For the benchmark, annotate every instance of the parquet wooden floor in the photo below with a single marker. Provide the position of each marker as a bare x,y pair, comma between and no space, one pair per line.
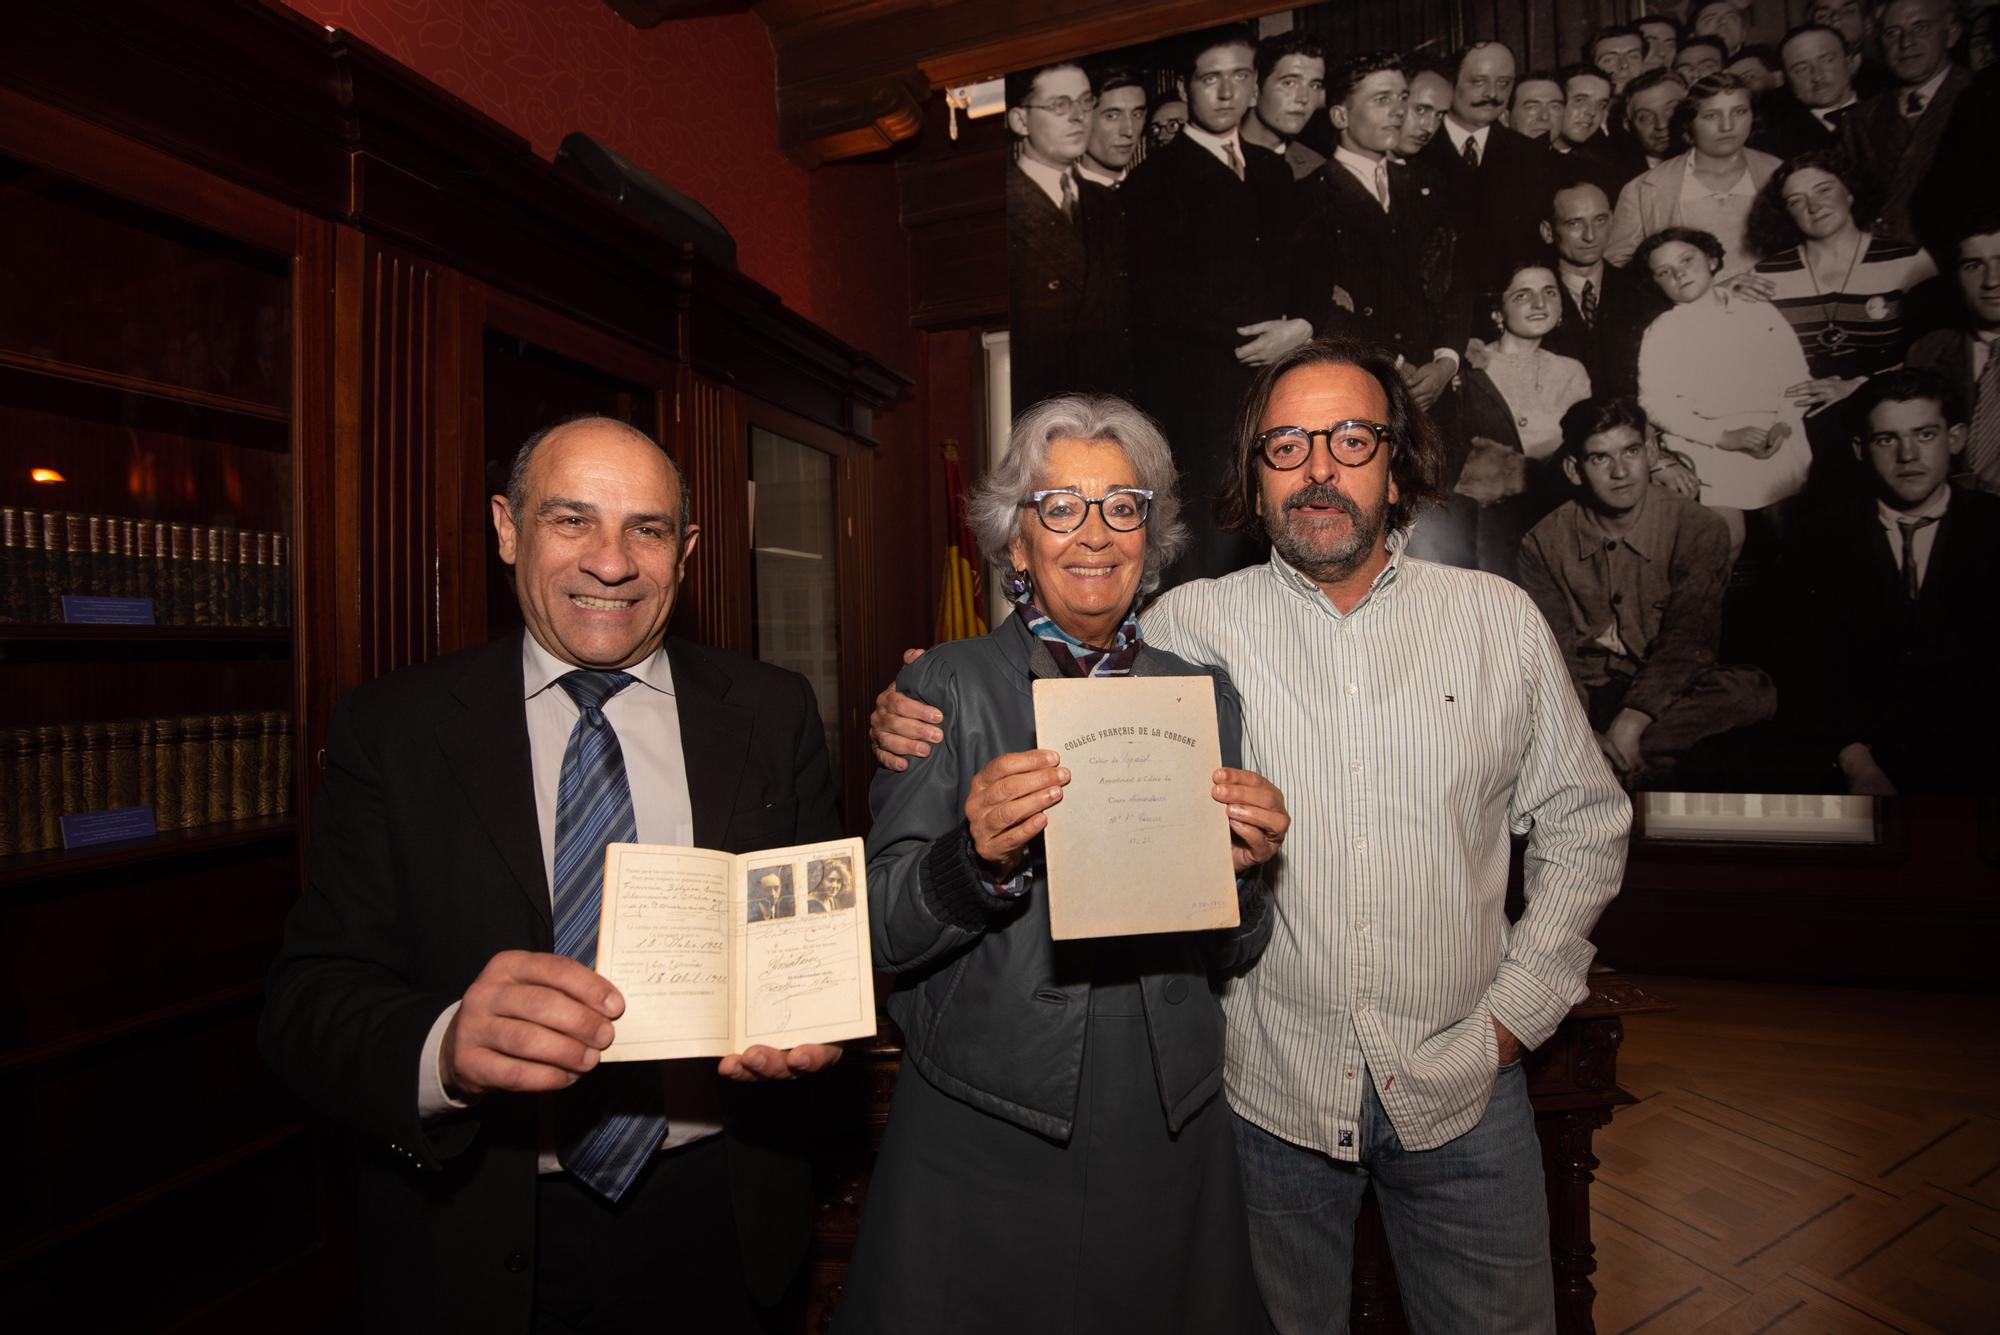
1802,1160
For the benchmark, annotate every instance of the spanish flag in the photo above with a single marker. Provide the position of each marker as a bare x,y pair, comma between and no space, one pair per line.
961,611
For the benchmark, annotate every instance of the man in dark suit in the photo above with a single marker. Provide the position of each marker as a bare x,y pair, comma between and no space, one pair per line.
1605,310
1210,231
1065,247
1498,182
1805,115
434,994
1894,137
1964,354
1895,594
1580,144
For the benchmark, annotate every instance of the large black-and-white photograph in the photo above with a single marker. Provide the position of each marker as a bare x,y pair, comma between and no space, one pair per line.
1701,304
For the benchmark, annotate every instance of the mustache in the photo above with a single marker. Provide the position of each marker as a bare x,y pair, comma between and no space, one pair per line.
1489,102
1323,493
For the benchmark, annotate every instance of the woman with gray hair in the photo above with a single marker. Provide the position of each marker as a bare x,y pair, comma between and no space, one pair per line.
1058,1155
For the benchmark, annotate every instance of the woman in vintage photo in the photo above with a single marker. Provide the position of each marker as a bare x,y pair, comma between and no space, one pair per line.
1709,186
1059,1155
829,886
1844,290
1714,376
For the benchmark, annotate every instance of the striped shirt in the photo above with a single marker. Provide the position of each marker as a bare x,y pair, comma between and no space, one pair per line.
1409,736
1867,314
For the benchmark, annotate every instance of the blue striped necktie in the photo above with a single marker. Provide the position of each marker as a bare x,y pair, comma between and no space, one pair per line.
611,1141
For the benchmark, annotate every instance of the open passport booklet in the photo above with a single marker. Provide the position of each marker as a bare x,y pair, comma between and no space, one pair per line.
718,951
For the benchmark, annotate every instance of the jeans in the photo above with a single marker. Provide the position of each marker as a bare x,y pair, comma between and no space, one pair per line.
1468,1222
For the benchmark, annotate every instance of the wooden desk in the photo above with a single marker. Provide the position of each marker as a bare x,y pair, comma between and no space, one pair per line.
1572,1083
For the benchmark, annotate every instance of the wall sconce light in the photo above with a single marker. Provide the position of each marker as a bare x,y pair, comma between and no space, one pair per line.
44,475
976,100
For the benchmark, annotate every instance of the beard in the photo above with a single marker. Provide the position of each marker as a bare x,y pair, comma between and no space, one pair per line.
1310,548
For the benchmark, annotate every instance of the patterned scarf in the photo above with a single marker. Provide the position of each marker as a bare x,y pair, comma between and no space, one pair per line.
1073,657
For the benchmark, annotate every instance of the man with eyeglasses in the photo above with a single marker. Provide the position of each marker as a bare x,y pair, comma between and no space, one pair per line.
1629,576
1420,714
1211,263
1893,595
1065,246
1893,138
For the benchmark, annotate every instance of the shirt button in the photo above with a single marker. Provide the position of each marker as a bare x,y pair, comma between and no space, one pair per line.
1352,689
1361,925
1522,421
1360,845
1353,767
1360,1006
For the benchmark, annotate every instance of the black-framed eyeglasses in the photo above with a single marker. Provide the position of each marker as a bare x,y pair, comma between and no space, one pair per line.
1064,107
1064,509
1351,443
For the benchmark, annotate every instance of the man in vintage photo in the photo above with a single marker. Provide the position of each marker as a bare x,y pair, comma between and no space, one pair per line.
1065,245
1894,136
1496,180
770,894
1291,89
1605,309
435,992
1892,600
1819,93
1430,97
1210,227
1630,578
1963,353
1621,53
1537,106
1115,126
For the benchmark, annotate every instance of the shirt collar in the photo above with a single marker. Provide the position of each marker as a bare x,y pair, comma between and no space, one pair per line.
1089,171
1458,136
540,669
1214,142
1575,281
1290,577
1692,188
1928,89
1933,508
1648,537
1048,178
1825,114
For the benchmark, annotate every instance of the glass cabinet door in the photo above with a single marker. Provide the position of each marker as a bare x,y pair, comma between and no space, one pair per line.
795,573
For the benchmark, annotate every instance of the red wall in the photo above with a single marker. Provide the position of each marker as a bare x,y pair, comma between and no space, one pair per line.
693,101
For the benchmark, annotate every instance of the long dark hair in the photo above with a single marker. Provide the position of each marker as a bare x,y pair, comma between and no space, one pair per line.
1416,453
1771,230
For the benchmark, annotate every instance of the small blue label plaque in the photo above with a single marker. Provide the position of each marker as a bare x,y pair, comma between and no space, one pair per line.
83,829
83,609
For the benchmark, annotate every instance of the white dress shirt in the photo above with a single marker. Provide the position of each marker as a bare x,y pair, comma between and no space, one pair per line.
1411,736
1925,537
1363,169
1214,143
1048,179
1460,135
647,720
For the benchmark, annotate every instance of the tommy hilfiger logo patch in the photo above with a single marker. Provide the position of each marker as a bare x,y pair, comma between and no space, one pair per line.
1347,1140
1451,699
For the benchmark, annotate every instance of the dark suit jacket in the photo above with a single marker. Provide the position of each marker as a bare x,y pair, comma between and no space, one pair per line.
1897,155
425,862
1785,128
1209,254
1949,353
1394,268
1066,299
1906,678
1498,209
1610,349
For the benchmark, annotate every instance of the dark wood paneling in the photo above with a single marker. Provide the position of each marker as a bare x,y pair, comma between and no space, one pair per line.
708,437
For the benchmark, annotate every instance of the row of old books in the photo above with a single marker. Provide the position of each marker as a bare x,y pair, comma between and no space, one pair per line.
199,769
196,576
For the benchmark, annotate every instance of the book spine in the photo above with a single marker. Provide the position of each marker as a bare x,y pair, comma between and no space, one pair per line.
48,783
98,582
93,767
180,585
148,777
216,798
128,558
260,585
284,765
201,610
121,764
55,561
243,766
69,768
221,574
267,763
194,771
13,801
145,574
243,593
281,581
21,760
34,569
13,567
167,804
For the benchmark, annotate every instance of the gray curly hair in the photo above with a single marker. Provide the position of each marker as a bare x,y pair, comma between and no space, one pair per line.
997,515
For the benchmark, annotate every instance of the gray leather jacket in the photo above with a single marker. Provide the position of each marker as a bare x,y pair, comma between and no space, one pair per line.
992,1010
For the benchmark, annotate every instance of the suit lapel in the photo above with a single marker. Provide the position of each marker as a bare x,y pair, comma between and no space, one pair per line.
486,745
715,740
